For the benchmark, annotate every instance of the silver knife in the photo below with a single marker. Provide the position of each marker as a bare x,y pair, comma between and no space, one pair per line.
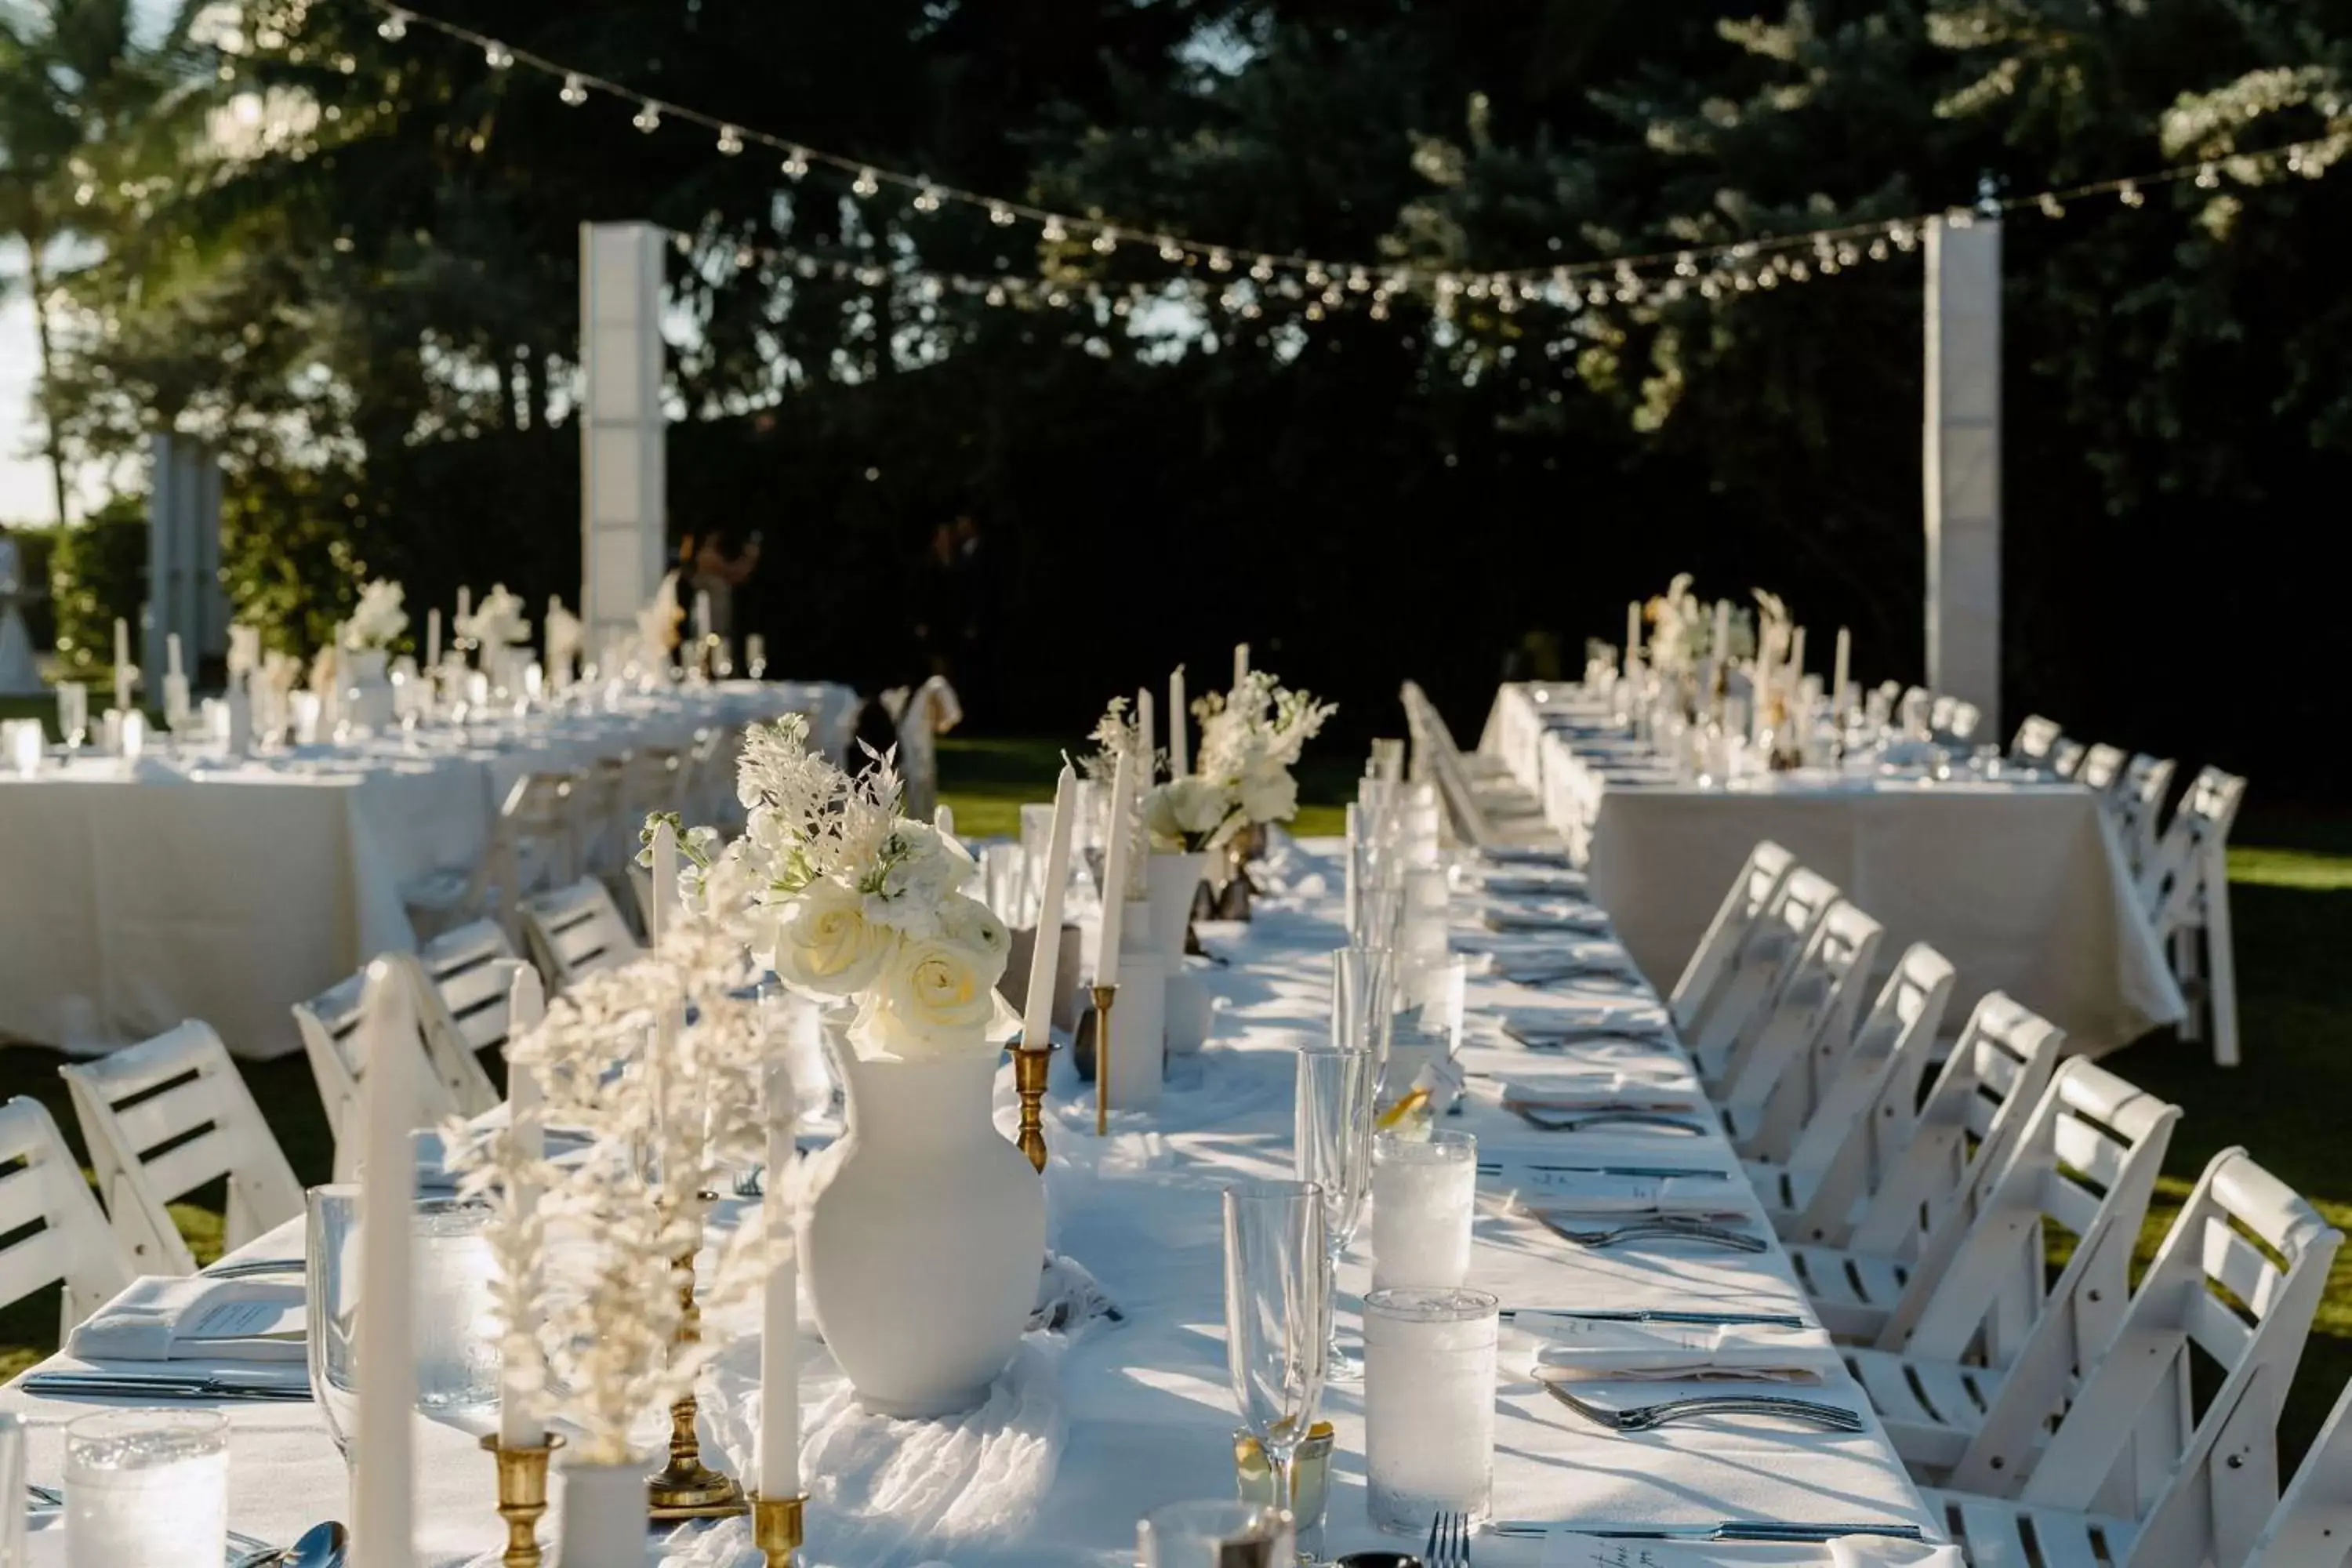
1727,1530
1653,1172
106,1385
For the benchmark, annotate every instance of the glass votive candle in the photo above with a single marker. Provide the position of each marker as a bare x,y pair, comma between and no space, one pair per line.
1423,1192
146,1489
456,1279
1218,1533
1429,1405
25,745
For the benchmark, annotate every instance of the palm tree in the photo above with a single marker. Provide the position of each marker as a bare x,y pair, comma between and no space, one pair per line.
75,87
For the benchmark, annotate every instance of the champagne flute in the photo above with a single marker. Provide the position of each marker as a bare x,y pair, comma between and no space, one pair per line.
1363,990
1332,1150
1277,1305
330,1267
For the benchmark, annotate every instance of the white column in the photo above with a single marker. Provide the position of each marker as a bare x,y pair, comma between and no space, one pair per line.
623,470
1963,463
183,556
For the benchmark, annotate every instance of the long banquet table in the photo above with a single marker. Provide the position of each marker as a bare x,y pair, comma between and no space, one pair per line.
1088,1431
229,890
2020,881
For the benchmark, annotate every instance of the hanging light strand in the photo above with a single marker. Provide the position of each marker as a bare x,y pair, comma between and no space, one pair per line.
1662,277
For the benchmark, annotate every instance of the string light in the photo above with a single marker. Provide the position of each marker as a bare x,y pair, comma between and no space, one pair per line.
1737,266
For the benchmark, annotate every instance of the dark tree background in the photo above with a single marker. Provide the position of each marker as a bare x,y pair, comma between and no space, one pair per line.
370,304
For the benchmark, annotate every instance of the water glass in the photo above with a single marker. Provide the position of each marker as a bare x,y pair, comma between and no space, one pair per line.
1424,1190
12,1485
1218,1533
146,1489
1429,1405
25,744
1278,1305
1332,1149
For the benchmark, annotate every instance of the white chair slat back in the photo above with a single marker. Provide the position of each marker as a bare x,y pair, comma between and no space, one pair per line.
1772,1087
577,930
162,1119
2312,1526
41,1186
1759,882
2037,738
1767,957
462,1005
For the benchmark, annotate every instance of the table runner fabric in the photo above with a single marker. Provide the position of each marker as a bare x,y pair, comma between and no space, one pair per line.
230,892
1088,1432
2022,884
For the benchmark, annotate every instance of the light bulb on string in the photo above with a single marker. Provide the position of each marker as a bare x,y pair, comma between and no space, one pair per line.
497,56
1106,241
2209,176
2050,205
575,91
1358,280
1168,250
995,295
2130,195
927,199
1380,310
1262,269
731,141
866,184
1684,267
1877,251
1220,260
1798,272
1000,215
795,162
1054,231
1905,237
648,119
393,27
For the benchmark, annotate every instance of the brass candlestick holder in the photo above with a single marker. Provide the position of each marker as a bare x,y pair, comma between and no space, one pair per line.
776,1526
523,1495
1104,996
686,1487
1029,1067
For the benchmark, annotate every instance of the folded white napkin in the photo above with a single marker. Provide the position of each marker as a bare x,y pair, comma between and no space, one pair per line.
1601,1348
1587,1191
195,1317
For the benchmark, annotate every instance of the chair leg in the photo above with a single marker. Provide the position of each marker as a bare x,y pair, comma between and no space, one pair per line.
2221,958
2185,970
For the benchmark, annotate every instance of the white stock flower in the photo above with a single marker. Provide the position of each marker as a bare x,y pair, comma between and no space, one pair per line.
920,866
1186,810
1268,793
378,618
933,996
821,940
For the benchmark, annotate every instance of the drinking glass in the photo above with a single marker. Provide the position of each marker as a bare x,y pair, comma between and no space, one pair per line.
25,744
73,714
1218,1533
1423,1192
1332,1149
1429,1405
1276,1307
146,1489
330,1270
12,1485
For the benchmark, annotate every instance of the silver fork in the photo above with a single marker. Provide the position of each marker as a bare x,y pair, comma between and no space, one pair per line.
1665,1227
1449,1541
1644,1418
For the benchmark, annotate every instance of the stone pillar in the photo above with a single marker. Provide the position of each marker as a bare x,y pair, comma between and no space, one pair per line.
1963,463
623,468
184,594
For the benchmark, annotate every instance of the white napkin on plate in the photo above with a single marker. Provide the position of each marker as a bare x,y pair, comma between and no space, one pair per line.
1590,1192
1605,1348
194,1318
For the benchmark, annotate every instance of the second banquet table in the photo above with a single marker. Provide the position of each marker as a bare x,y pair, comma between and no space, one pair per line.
2021,882
1088,1430
132,897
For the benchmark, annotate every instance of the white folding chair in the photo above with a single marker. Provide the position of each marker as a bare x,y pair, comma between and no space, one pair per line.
1815,1193
2139,802
60,1235
532,838
2067,756
165,1117
2102,771
2035,740
461,1001
337,1029
1935,1164
1964,721
1485,814
1766,957
1771,1088
1991,1342
576,930
2167,1455
1711,962
2312,1526
2184,888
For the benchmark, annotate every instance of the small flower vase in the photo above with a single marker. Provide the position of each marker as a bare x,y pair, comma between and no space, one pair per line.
1139,1031
368,698
1170,881
603,1520
923,1235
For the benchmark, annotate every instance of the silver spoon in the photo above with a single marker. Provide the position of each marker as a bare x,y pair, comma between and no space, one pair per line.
323,1545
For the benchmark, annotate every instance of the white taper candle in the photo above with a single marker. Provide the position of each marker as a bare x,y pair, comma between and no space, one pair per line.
433,637
519,1424
1146,730
1114,889
780,1360
383,1457
1046,947
1180,744
1839,671
1240,663
1633,633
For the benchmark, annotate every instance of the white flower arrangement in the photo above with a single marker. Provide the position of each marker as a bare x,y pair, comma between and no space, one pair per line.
498,621
378,620
1679,630
1251,738
1190,814
842,896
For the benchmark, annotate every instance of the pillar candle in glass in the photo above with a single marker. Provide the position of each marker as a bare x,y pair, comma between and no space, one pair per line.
1424,1190
1429,1405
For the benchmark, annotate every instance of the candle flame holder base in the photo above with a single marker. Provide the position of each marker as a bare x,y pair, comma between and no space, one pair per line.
522,1496
686,1487
776,1526
1105,995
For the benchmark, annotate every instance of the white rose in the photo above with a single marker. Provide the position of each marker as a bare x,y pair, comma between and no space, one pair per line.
1269,794
932,996
1184,808
968,922
821,940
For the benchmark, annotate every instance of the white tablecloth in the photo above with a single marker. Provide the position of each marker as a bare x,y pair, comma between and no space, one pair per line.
2021,883
228,892
1139,1414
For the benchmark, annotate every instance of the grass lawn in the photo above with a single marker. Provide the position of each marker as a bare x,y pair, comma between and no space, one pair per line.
2290,884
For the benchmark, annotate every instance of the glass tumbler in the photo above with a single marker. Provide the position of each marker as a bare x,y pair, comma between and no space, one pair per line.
1429,1405
146,1489
1424,1190
1218,1533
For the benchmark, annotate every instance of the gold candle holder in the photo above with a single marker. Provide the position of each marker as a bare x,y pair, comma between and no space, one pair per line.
1104,996
776,1526
686,1487
1029,1068
523,1495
